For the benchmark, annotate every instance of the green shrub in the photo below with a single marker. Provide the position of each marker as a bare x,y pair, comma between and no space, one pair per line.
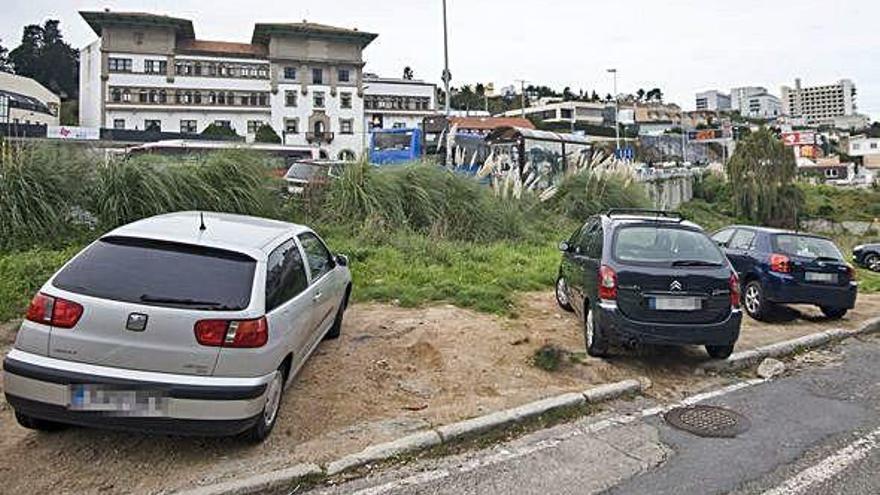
265,134
219,131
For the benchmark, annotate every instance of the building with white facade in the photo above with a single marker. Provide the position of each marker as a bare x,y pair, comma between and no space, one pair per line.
867,148
25,101
819,105
713,100
755,102
391,103
150,72
569,112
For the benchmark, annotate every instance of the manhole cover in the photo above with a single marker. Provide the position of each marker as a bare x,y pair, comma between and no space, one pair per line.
708,421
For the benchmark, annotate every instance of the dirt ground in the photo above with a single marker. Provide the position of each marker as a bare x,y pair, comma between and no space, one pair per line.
394,371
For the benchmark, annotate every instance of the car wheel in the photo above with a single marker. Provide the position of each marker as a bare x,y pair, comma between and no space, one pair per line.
562,295
38,424
336,330
596,341
872,262
833,313
269,416
753,299
719,351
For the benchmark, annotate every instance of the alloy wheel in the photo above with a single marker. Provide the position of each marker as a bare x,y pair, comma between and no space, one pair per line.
874,263
589,331
561,295
273,398
753,302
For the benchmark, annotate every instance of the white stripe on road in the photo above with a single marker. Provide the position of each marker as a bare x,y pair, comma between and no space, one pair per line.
830,466
505,454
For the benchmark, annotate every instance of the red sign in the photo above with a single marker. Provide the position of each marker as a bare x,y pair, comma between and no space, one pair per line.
799,138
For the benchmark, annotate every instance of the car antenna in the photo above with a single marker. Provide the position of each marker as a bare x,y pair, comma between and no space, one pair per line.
202,221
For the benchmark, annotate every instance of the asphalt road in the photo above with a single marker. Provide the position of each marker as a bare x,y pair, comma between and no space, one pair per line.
815,430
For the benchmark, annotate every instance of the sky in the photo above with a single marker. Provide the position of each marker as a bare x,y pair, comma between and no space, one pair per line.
680,46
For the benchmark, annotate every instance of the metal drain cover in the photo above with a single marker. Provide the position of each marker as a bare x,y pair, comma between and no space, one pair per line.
708,421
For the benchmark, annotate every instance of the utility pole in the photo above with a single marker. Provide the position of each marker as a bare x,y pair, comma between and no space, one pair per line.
447,76
522,96
616,111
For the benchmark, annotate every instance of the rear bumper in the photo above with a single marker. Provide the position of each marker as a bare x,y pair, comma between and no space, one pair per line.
211,406
784,289
619,327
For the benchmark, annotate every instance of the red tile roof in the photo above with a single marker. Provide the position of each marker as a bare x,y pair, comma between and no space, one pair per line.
489,123
222,48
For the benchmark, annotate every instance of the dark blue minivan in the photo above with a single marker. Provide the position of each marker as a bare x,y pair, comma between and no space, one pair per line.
640,276
785,267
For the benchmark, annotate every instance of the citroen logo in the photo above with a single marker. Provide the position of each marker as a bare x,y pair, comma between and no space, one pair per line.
675,285
137,322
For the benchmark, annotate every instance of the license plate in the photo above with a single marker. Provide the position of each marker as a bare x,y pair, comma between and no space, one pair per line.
115,401
664,303
820,277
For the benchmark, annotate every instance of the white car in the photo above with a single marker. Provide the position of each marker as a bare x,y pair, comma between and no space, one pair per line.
311,172
181,323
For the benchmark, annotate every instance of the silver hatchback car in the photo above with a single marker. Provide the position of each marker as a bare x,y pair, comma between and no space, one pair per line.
184,323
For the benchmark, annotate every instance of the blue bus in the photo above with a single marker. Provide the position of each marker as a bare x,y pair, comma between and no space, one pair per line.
390,146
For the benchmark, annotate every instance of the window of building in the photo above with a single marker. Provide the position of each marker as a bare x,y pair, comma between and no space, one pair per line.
345,100
188,126
221,98
119,123
153,125
291,126
290,98
263,99
873,146
253,126
197,69
831,173
346,126
399,125
252,99
223,123
230,98
344,75
317,76
126,95
318,99
115,95
290,73
197,97
119,64
155,66
142,96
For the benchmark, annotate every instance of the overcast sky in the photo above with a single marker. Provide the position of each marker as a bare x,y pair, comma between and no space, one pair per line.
681,46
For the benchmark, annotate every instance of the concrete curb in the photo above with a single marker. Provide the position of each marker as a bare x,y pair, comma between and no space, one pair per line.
424,439
744,359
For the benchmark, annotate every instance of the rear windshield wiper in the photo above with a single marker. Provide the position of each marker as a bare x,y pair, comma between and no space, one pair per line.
695,263
180,301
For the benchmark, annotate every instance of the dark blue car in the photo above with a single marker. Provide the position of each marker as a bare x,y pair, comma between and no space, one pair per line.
637,277
785,267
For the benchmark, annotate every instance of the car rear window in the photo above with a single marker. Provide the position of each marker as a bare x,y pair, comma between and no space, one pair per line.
665,245
805,246
161,273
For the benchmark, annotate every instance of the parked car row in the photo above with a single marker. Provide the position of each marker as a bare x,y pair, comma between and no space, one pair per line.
651,277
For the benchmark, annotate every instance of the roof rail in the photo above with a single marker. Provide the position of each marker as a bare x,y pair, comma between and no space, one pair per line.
645,212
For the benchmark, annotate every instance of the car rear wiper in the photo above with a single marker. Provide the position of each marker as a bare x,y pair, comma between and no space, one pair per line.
180,301
695,263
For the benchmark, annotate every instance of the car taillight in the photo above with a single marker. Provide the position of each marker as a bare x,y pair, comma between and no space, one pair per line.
607,283
780,263
851,271
735,294
232,333
54,311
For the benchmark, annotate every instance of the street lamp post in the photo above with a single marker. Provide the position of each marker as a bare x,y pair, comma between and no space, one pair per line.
447,76
616,111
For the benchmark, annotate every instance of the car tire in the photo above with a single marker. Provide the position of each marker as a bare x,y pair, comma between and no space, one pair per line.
562,295
719,351
833,313
756,305
269,415
872,262
38,424
595,339
336,330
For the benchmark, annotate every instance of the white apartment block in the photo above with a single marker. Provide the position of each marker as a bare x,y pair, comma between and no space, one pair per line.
149,72
866,147
755,102
819,105
391,103
712,100
570,112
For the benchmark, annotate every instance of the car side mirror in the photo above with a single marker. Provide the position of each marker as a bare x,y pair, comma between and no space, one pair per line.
341,260
564,246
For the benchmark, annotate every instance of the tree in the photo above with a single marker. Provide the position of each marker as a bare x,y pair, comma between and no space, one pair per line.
408,73
594,97
654,95
5,65
44,56
762,173
265,134
567,95
640,94
220,131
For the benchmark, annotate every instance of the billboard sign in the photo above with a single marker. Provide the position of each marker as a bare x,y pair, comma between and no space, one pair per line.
706,135
71,132
799,138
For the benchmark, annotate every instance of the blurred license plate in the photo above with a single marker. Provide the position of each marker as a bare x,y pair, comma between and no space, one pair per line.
664,303
85,397
821,277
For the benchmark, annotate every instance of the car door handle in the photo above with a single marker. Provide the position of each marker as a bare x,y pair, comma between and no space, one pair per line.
317,296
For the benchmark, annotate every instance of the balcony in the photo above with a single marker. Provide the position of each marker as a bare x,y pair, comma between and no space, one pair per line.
319,137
